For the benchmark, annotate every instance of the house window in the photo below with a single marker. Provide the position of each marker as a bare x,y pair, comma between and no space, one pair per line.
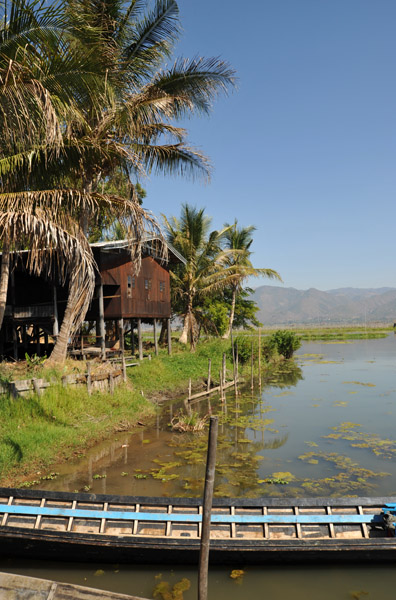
130,286
162,287
147,284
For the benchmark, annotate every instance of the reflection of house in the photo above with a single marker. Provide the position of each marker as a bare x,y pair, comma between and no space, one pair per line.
35,307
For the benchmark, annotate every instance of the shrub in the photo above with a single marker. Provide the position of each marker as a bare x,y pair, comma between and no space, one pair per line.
286,342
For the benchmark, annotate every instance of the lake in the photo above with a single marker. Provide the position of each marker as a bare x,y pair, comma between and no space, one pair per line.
323,427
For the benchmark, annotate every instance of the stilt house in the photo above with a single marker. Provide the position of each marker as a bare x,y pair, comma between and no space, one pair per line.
123,300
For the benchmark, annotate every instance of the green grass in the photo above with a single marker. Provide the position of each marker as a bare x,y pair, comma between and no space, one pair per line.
36,432
171,373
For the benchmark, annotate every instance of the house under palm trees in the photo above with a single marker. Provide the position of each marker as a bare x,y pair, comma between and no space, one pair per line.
123,300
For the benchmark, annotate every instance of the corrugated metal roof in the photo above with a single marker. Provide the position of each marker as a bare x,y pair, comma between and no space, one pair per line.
121,244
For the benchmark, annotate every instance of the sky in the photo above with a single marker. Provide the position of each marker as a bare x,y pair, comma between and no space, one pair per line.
304,148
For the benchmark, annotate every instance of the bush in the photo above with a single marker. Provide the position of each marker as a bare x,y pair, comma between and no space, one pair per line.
285,342
244,345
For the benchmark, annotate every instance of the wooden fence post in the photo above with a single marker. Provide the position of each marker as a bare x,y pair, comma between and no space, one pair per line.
111,383
36,387
207,510
209,373
224,367
89,378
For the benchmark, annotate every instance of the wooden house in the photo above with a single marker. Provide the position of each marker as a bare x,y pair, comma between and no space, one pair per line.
122,299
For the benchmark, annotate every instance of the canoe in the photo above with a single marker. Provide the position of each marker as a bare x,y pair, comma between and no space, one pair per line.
130,529
19,587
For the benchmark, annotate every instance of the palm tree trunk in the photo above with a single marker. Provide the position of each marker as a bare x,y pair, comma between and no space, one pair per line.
232,314
58,354
183,339
4,277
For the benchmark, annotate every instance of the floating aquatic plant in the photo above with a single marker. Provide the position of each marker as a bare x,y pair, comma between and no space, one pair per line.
383,448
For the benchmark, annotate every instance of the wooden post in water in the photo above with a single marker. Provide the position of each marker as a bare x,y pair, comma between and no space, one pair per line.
259,357
236,369
209,374
251,374
207,510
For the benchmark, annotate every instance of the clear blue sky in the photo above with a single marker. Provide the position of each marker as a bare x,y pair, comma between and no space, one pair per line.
305,148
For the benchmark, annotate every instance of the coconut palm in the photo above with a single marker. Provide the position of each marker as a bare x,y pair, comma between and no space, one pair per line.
238,241
142,97
83,95
37,149
206,271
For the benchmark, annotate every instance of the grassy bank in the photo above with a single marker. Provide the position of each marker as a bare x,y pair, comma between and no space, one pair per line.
38,432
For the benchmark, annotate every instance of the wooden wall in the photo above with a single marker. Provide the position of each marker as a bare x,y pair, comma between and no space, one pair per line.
126,295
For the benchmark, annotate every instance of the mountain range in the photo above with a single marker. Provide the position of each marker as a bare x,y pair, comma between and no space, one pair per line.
287,306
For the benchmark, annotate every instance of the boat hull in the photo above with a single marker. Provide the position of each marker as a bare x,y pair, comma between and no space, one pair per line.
30,534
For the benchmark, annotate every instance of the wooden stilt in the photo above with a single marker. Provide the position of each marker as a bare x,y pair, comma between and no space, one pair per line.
209,374
169,337
140,341
133,337
102,328
55,325
155,336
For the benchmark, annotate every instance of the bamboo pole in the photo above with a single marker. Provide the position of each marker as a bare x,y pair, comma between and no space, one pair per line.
207,510
209,373
259,356
189,389
251,371
236,369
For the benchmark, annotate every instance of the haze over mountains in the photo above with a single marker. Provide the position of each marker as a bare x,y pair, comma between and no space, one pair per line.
286,306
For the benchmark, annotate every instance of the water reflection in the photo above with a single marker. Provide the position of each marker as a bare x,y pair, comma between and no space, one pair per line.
297,437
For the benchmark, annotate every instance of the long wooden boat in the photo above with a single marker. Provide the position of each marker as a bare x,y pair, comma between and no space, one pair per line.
96,527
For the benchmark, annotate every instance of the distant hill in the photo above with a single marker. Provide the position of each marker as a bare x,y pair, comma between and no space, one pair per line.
287,306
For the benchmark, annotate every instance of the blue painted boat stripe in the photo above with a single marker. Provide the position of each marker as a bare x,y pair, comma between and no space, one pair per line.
187,518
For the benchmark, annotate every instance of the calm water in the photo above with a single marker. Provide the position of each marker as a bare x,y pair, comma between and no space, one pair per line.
347,391
322,428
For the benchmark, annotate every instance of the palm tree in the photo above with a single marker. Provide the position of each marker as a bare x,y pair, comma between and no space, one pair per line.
238,241
37,149
83,95
206,270
141,97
